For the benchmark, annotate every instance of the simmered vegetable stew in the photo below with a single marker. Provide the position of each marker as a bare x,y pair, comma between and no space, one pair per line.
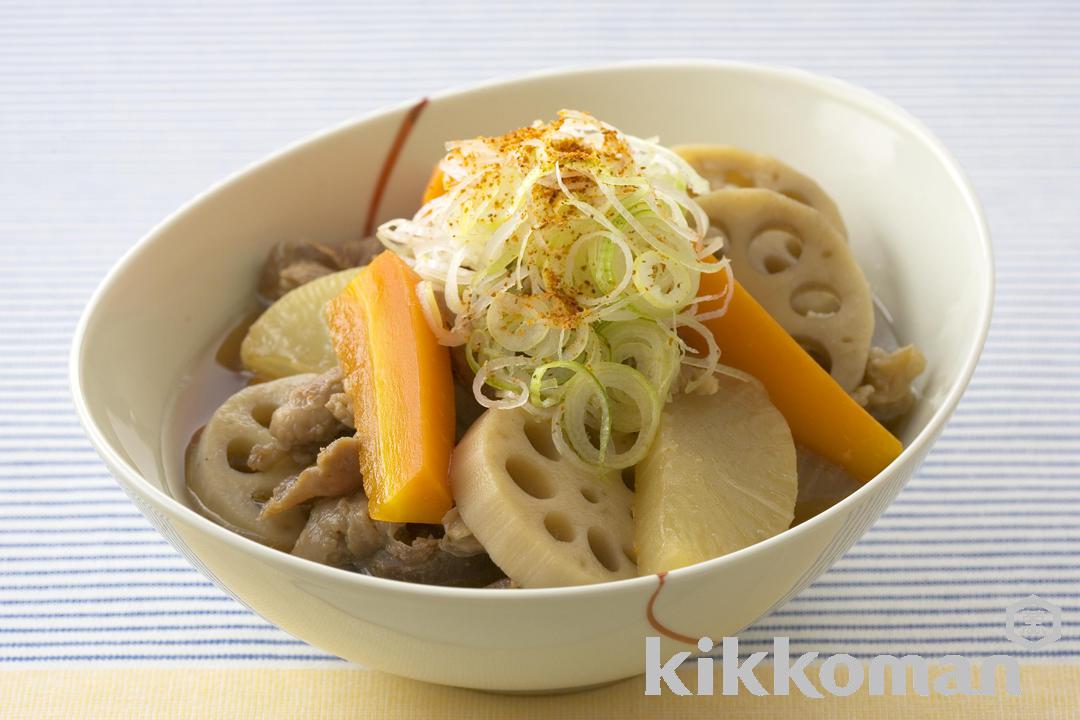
586,357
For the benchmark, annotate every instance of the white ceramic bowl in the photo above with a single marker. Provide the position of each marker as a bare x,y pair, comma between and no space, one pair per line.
915,226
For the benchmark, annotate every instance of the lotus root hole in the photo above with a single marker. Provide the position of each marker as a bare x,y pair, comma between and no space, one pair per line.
530,478
815,300
795,196
559,526
262,413
816,350
774,250
590,495
628,478
237,453
539,436
794,246
602,547
738,179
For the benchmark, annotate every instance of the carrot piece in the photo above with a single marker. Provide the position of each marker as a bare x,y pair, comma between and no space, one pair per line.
821,415
398,378
435,186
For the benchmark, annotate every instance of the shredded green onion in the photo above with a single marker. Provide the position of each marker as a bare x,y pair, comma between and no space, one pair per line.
568,256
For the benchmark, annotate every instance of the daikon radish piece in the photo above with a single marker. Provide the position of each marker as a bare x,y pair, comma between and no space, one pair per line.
291,337
720,477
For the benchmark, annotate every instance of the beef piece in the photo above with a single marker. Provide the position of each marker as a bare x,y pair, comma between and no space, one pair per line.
301,273
291,263
303,424
337,531
340,532
340,406
323,537
458,539
305,418
412,555
336,472
358,252
886,390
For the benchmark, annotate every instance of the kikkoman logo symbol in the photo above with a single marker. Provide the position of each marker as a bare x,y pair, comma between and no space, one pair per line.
1032,623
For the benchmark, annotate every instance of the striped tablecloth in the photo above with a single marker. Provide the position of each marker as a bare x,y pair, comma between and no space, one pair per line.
112,114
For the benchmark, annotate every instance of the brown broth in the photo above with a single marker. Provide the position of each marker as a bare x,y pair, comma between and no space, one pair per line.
215,376
228,351
821,491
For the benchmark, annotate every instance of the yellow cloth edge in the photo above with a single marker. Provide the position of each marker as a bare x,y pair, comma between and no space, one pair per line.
1048,691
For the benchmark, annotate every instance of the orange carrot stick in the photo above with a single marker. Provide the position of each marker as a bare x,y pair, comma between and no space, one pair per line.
398,377
821,415
435,186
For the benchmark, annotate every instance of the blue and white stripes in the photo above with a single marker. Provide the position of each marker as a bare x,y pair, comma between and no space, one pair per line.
115,113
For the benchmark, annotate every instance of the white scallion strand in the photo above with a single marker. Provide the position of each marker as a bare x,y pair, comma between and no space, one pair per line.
568,257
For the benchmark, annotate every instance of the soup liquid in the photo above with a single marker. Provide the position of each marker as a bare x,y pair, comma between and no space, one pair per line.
215,376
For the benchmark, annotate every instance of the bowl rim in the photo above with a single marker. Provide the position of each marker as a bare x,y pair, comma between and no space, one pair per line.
884,110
